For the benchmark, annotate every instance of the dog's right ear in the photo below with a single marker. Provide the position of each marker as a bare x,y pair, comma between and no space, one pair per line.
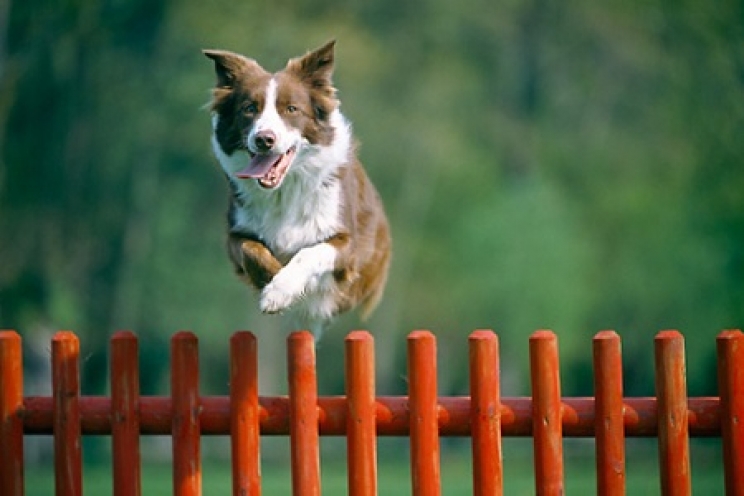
227,66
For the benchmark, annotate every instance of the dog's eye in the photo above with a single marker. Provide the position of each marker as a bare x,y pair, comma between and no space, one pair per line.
250,108
291,109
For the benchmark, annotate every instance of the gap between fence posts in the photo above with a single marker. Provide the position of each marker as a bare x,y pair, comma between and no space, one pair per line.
608,414
11,411
303,414
485,413
730,349
424,418
245,430
546,414
125,426
186,409
671,393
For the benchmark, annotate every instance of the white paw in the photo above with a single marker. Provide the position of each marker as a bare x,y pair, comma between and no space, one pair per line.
300,276
277,296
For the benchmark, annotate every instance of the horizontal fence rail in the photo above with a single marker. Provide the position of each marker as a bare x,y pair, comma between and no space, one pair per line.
361,415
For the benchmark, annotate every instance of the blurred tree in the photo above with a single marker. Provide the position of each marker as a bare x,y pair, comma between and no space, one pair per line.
70,189
572,166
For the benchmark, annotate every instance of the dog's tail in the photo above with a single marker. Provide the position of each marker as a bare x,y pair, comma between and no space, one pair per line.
369,304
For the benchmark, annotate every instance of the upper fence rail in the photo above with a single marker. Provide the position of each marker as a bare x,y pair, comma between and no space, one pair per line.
361,415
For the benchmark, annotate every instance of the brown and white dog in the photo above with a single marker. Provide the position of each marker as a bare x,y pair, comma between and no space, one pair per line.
305,224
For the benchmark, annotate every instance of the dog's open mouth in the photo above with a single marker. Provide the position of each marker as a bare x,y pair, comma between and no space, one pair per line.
268,169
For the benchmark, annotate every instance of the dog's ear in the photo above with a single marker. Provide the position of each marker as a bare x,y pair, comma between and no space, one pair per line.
315,67
228,65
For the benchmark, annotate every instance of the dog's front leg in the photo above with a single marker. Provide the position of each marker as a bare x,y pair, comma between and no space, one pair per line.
252,260
302,274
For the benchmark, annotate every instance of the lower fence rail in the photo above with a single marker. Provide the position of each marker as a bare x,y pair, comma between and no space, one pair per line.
361,415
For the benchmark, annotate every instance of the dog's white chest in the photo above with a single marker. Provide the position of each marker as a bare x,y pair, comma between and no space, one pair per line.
294,219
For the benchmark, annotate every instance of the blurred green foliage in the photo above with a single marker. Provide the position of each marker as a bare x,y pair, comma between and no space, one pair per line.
574,166
394,476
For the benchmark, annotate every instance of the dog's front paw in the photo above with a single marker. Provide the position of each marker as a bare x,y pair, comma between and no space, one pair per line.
277,296
274,300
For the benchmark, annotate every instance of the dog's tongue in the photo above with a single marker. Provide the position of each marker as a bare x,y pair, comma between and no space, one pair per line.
258,167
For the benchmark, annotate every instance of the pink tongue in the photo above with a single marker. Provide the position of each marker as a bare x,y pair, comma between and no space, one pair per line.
259,166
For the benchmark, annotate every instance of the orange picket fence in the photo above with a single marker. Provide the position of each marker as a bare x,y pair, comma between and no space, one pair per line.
361,415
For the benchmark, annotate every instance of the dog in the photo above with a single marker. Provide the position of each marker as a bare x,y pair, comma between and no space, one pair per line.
306,227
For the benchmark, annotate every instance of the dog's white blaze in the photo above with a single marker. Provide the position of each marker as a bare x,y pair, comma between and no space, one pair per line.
270,120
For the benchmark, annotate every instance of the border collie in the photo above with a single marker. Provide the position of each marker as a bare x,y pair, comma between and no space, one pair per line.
306,226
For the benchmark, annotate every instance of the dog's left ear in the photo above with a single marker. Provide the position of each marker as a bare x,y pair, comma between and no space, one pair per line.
315,66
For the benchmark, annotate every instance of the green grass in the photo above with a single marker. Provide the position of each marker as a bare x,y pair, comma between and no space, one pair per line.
394,470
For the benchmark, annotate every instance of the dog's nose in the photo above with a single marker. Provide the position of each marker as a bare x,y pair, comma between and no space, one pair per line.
264,140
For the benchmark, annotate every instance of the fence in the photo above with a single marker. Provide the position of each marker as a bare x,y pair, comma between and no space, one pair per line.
361,416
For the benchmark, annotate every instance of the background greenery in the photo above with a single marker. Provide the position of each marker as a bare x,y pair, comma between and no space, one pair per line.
394,474
566,165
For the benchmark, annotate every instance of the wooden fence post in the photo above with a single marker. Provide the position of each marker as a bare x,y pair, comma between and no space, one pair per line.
424,418
361,436
361,416
11,410
485,414
245,432
671,393
185,407
66,390
125,395
303,414
608,414
546,414
730,345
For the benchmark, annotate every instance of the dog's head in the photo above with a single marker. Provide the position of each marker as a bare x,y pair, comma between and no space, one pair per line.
262,121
